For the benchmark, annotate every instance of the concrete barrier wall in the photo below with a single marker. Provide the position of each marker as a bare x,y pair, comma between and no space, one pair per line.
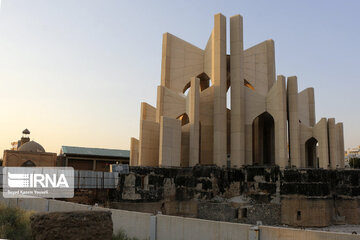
136,224
12,202
177,228
275,233
33,204
61,206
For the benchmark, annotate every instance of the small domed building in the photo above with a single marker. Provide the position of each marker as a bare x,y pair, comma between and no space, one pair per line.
28,154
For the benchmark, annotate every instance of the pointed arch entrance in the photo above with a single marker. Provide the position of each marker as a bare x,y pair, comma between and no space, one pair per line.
311,153
28,163
263,149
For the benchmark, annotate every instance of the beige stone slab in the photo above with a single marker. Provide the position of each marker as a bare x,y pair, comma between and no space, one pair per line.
134,152
194,118
169,142
321,134
294,131
277,107
149,143
333,148
219,79
340,144
148,112
237,92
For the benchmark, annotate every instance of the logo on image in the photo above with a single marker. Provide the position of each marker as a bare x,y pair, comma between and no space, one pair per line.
48,182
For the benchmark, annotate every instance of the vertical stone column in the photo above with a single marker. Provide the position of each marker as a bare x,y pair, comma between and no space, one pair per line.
194,120
281,156
159,103
341,147
270,55
218,63
333,149
134,152
148,136
320,132
165,60
237,92
170,142
294,128
311,97
149,143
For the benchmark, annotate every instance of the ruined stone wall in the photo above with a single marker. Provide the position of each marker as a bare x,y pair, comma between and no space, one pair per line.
296,197
146,184
316,197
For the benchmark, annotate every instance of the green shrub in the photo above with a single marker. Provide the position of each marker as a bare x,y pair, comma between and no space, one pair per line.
354,162
14,223
121,235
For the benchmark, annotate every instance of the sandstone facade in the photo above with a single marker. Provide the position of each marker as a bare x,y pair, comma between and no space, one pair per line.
270,121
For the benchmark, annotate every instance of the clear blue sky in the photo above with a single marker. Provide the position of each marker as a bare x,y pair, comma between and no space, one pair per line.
75,71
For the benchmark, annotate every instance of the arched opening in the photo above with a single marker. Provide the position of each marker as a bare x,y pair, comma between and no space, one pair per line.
184,118
204,81
310,153
228,98
186,88
248,85
28,163
228,124
263,140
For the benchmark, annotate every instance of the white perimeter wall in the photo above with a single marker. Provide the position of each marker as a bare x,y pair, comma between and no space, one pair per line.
136,224
178,228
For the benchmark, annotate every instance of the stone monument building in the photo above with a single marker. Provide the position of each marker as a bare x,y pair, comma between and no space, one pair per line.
270,122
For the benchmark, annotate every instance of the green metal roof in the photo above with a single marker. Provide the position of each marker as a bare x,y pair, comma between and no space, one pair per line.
95,151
